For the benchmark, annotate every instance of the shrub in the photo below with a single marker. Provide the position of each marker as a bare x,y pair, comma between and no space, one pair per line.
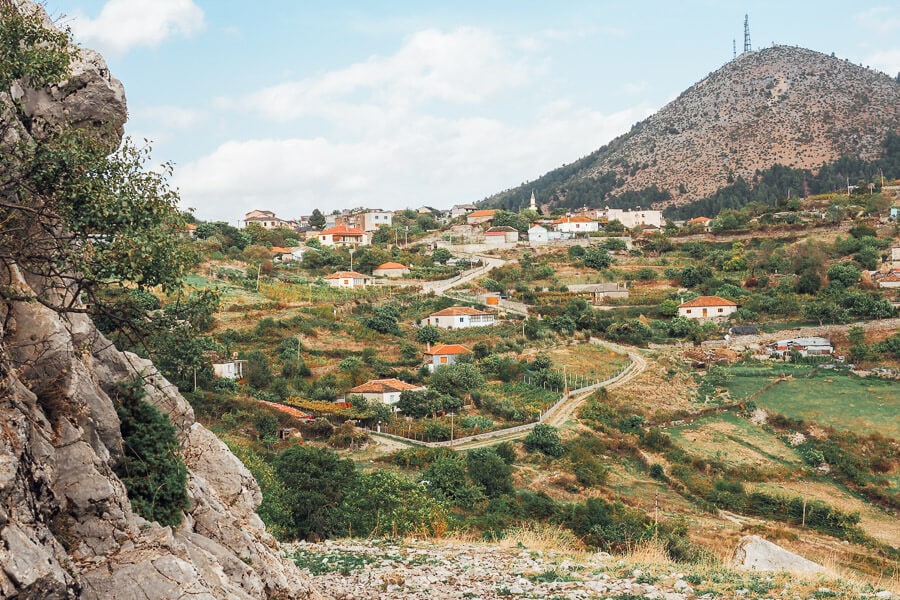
488,470
152,471
545,439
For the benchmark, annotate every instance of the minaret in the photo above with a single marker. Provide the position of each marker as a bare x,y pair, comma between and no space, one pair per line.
533,204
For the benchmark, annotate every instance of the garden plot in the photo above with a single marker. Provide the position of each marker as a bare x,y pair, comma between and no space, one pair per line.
734,441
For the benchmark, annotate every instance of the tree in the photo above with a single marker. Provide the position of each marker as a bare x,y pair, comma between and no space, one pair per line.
544,439
258,374
152,471
315,482
597,258
428,334
386,504
615,226
419,404
385,319
489,471
457,379
845,273
317,219
441,255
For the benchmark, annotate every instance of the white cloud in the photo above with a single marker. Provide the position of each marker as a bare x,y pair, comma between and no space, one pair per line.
464,66
432,161
887,61
879,20
126,24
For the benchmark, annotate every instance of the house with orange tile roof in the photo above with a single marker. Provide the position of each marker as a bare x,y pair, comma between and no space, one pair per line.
460,317
480,216
341,235
386,391
704,308
576,224
444,354
347,279
390,269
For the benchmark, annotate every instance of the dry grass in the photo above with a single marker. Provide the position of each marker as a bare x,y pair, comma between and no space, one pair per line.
648,552
540,536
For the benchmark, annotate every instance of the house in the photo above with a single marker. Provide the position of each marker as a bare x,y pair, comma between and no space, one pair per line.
444,354
460,317
231,369
391,269
889,280
632,218
601,291
461,210
504,234
707,307
700,222
895,211
806,346
576,224
282,255
341,235
537,235
895,258
190,230
386,391
480,216
288,410
347,279
264,218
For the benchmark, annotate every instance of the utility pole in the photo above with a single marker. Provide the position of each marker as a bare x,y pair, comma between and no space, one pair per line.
258,272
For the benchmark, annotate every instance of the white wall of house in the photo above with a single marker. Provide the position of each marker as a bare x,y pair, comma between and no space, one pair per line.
706,312
578,227
374,219
461,321
633,218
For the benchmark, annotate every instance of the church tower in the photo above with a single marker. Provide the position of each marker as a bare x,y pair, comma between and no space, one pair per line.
533,204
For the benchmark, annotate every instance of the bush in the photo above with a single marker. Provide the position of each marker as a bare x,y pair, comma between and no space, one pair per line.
545,439
151,470
488,470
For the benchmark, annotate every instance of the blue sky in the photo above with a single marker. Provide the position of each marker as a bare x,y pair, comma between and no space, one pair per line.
295,105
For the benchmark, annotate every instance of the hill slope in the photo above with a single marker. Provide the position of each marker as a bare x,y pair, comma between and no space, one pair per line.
781,105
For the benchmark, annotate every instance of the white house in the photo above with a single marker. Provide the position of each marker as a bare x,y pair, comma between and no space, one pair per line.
341,235
633,218
444,354
373,219
599,292
806,346
706,308
461,210
889,280
391,269
264,218
501,235
232,369
386,391
347,279
537,235
460,317
576,224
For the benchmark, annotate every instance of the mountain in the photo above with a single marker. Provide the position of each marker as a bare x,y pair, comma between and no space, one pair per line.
781,105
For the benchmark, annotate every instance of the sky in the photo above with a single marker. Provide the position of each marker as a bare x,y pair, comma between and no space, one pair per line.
295,105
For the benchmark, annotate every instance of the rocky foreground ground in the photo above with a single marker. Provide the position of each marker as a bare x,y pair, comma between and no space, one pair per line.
363,569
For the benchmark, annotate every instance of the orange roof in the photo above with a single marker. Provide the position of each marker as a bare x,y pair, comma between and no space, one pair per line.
299,414
346,275
280,250
190,227
444,349
575,219
700,220
707,301
890,277
458,311
380,386
482,213
391,265
343,230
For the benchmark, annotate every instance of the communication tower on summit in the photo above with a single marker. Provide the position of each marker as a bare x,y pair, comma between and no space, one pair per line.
747,47
733,48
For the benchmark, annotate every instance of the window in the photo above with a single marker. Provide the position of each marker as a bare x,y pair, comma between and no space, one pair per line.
688,311
721,309
461,319
444,360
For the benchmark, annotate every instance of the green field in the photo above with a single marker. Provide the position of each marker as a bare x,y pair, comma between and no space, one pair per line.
839,400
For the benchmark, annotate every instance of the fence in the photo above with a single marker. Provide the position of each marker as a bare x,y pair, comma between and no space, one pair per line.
518,428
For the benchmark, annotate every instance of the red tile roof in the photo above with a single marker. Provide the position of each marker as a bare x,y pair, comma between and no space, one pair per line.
391,265
381,386
458,311
700,220
290,410
482,213
343,230
576,219
707,301
280,250
444,349
346,275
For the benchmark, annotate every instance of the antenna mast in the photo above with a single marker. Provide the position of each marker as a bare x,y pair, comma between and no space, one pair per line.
747,47
733,48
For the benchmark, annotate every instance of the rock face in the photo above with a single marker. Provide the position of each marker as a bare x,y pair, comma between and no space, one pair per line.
753,553
66,525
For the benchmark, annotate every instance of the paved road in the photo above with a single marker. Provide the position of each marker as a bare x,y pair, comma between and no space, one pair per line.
439,287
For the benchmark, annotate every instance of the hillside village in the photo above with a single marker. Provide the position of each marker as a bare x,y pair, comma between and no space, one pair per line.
469,329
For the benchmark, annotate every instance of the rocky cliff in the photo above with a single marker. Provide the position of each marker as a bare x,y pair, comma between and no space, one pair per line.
66,526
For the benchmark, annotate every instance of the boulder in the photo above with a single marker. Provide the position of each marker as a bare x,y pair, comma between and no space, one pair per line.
753,553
